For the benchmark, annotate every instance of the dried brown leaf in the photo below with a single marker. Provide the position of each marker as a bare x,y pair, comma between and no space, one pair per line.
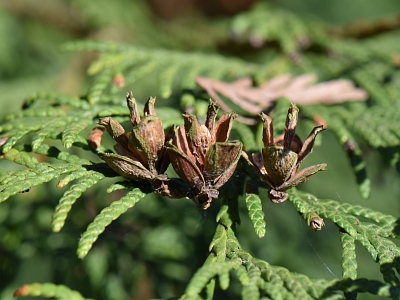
301,90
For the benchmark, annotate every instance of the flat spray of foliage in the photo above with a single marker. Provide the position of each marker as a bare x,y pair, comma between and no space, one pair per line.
41,135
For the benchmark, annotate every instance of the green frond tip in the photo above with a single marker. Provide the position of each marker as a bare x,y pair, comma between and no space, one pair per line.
36,174
105,217
218,243
205,274
21,158
349,262
254,207
89,179
209,290
251,290
224,217
70,134
121,185
48,290
363,285
224,279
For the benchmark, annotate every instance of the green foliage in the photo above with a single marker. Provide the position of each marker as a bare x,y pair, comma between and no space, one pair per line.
136,63
373,233
48,290
299,32
256,214
105,217
162,239
37,173
87,179
258,278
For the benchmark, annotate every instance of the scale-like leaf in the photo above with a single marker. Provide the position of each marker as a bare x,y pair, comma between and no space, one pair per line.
373,237
105,217
251,290
254,207
134,60
218,243
349,262
89,179
48,290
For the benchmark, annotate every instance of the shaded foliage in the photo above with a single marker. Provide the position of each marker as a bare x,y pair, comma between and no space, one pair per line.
48,140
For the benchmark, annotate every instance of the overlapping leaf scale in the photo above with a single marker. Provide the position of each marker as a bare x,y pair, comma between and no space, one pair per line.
218,243
49,123
349,262
204,275
277,282
372,236
105,217
308,204
69,158
50,130
305,202
48,290
17,134
53,99
287,285
361,211
365,286
251,290
224,279
23,180
242,275
297,288
36,174
388,257
87,180
117,186
224,217
17,127
48,111
77,121
256,275
113,110
377,125
254,207
363,238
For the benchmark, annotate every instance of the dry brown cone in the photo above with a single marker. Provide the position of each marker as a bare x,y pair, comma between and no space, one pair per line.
300,90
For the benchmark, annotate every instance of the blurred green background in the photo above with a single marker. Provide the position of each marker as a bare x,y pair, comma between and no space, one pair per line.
153,250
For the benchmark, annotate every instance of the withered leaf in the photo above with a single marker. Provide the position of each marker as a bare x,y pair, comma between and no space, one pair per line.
301,90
